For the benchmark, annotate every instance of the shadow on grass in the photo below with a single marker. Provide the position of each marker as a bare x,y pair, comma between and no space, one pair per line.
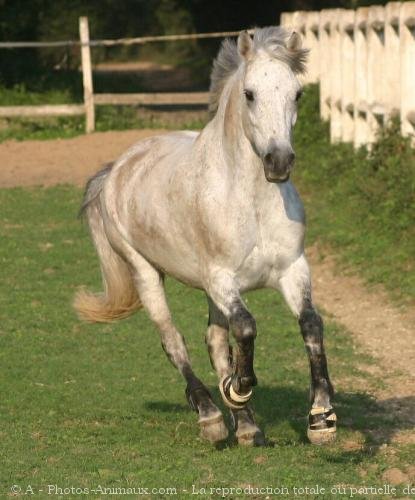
377,421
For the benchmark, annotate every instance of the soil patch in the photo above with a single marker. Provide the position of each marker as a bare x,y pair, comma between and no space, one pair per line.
61,161
383,329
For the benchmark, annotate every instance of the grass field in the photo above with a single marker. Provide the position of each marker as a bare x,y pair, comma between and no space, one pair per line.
90,405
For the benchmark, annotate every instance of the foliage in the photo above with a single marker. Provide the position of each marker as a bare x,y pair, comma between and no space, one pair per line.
361,203
87,405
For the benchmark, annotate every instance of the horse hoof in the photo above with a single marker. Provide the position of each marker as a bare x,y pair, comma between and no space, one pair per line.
251,438
230,397
322,437
213,429
246,430
321,426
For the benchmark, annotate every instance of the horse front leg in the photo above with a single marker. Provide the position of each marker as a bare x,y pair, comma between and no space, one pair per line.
295,285
246,430
322,419
236,388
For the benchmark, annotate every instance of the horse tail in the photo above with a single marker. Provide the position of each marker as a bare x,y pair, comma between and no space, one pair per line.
120,298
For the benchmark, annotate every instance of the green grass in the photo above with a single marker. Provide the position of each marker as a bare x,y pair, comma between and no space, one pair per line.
87,405
43,128
361,205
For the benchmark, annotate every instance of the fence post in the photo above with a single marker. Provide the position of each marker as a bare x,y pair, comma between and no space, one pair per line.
312,43
298,24
325,61
286,20
335,76
347,74
87,74
361,127
407,35
376,73
392,60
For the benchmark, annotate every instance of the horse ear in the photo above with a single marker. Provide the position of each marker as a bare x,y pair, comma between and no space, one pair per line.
294,42
245,44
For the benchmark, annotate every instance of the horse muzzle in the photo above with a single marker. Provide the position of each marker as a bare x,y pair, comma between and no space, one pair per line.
278,164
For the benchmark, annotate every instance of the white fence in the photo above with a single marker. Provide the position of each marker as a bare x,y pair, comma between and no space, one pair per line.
364,60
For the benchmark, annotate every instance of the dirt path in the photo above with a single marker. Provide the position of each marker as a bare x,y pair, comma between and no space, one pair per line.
382,329
32,163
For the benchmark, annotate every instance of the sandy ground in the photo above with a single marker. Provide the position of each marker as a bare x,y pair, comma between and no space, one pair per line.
386,331
32,163
379,327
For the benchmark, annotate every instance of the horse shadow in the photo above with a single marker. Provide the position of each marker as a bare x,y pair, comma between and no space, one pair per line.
376,422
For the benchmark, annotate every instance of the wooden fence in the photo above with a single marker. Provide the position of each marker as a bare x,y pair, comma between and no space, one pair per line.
364,60
90,98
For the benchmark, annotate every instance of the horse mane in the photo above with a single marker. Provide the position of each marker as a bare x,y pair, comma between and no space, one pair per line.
272,39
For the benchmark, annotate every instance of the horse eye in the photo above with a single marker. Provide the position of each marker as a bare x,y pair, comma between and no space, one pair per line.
249,95
298,95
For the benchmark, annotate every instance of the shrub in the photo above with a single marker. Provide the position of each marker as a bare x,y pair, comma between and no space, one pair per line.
360,202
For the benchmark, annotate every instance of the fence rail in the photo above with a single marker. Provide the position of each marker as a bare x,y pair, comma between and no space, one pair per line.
160,98
91,99
364,60
45,110
120,41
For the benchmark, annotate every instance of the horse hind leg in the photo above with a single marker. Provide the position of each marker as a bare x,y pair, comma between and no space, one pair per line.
150,287
217,339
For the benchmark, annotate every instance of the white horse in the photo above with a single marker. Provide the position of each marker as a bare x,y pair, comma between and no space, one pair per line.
216,210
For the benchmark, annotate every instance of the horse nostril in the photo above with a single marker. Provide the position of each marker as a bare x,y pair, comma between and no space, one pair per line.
268,159
291,158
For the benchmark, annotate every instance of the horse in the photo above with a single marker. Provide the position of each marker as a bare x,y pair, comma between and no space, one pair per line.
217,211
